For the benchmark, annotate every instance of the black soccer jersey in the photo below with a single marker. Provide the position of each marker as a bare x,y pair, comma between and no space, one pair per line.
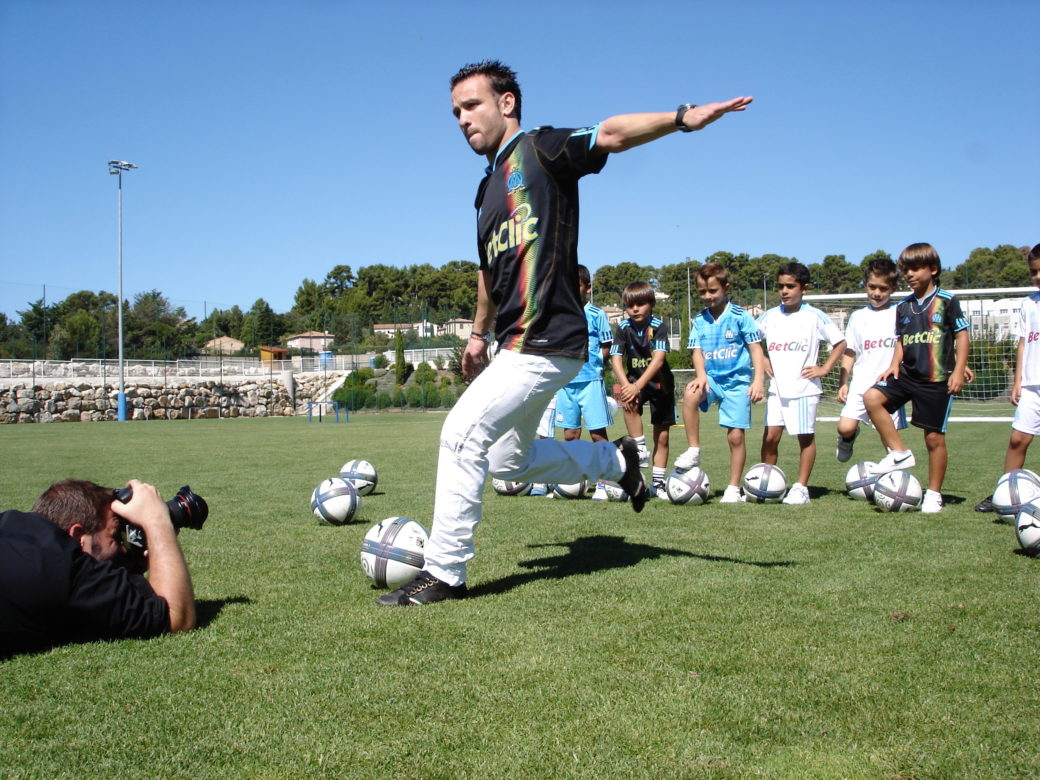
638,345
926,331
527,235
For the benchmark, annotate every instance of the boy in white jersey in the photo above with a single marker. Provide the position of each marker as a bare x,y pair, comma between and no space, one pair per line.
1025,393
870,340
727,354
793,332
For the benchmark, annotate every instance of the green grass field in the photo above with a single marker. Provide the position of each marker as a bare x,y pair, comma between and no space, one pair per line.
714,641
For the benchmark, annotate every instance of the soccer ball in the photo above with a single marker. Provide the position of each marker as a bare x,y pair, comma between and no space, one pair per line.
687,487
1027,526
1013,491
897,491
764,483
335,501
361,474
392,552
615,492
859,482
577,490
505,488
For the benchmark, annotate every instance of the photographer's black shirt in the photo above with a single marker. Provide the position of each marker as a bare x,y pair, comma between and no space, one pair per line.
51,592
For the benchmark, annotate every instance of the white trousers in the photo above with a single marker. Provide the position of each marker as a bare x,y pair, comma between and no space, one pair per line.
492,429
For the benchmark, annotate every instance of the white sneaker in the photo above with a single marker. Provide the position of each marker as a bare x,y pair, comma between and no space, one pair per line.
689,459
731,496
600,494
932,503
644,458
894,461
798,494
844,451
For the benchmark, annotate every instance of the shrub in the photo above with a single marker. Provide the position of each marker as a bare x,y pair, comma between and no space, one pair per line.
415,397
424,374
432,395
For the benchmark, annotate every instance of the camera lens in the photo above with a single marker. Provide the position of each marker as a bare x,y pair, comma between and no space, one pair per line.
187,509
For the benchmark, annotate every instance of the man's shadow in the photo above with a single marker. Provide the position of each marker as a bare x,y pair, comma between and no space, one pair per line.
588,554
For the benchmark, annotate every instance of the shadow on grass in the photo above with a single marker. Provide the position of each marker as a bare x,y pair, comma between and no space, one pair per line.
208,610
588,554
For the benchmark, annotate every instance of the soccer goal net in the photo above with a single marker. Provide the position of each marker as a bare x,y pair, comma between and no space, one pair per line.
991,314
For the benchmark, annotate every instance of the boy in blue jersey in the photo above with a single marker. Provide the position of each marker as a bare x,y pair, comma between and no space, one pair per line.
730,366
928,368
638,359
585,395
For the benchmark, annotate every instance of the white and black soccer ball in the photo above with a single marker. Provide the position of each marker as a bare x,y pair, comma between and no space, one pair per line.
859,482
361,474
506,488
690,486
393,552
897,491
576,490
1027,526
764,483
335,501
614,491
1014,490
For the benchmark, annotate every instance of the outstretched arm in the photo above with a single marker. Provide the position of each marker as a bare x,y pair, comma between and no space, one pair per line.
624,131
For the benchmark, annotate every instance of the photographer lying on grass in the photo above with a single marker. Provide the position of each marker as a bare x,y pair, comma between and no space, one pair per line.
65,575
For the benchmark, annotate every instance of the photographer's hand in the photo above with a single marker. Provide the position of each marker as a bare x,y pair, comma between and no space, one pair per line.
167,570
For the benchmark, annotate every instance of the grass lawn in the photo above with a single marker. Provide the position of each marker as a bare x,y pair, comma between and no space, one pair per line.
715,641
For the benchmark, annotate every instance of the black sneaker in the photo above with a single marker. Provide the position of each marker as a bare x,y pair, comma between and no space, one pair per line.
632,481
424,589
985,505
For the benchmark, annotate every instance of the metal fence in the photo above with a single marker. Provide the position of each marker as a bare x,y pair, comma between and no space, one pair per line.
162,371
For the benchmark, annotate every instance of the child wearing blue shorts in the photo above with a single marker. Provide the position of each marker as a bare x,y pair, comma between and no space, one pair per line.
585,396
730,366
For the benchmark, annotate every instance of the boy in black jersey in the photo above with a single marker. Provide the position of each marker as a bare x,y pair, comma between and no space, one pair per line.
928,368
638,359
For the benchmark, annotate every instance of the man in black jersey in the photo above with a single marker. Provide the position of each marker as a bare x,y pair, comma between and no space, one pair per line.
527,287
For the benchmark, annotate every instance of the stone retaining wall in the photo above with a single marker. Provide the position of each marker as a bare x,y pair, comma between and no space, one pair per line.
86,402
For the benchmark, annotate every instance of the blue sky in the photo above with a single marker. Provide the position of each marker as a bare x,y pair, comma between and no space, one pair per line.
277,139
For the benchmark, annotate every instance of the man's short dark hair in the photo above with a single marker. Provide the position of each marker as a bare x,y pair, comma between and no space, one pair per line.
502,78
797,270
1033,254
75,502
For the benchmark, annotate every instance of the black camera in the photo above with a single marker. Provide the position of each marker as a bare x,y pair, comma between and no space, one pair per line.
187,510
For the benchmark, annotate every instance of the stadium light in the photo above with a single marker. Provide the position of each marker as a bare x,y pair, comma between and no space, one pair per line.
116,168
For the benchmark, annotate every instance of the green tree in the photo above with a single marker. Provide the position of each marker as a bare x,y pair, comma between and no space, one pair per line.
338,281
609,281
400,367
835,275
1003,266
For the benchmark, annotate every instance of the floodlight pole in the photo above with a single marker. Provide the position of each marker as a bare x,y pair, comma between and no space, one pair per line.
116,168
